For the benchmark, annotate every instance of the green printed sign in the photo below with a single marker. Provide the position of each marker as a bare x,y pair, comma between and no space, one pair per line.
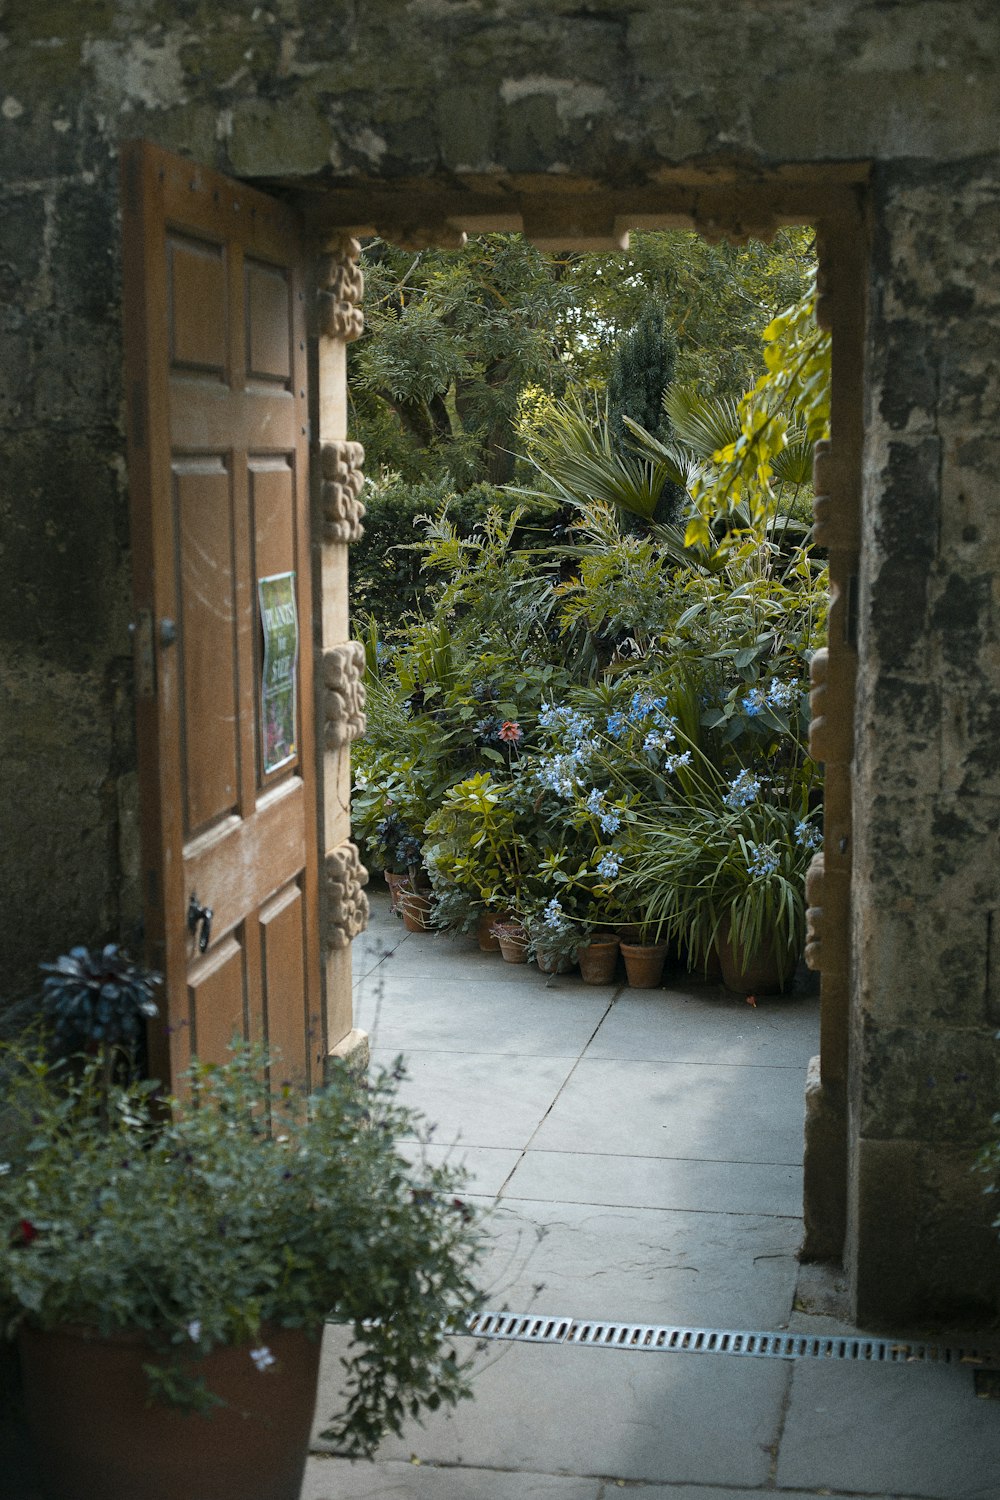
281,649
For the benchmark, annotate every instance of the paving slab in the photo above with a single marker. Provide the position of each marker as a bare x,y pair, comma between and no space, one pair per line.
710,1027
601,1413
488,1166
889,1430
481,1099
658,1182
338,1479
643,1265
712,1112
458,1017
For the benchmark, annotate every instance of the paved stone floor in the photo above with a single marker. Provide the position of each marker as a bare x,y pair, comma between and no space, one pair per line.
640,1154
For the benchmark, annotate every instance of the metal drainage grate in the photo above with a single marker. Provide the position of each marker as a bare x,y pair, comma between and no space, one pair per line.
663,1338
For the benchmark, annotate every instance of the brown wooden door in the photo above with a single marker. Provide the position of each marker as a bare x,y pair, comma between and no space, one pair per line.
215,335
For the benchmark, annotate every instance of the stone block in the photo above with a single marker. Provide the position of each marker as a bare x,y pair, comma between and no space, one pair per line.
897,737
930,1083
72,598
84,267
22,248
272,139
58,867
921,1248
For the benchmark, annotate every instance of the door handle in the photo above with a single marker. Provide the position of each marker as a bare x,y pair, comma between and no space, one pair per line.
196,914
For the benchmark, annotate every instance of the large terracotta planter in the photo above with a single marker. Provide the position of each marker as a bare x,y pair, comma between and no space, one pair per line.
513,942
599,961
416,908
96,1439
765,972
644,964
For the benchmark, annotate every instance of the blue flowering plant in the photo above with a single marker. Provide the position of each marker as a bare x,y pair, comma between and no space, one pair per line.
728,865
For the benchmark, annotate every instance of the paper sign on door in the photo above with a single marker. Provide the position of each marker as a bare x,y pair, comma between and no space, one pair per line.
281,648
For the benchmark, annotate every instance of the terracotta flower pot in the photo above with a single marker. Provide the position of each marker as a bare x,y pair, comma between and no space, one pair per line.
599,961
513,942
710,969
764,972
396,884
485,935
95,1438
416,906
644,964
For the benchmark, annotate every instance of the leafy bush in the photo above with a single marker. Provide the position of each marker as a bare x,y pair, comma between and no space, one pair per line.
202,1225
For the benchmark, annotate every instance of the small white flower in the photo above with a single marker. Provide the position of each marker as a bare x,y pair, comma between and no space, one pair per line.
4,1168
263,1358
194,1330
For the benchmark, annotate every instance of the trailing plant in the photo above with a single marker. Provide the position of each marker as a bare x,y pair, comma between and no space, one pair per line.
203,1226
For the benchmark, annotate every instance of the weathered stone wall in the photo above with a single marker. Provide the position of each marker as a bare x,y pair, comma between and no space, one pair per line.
926,1073
505,102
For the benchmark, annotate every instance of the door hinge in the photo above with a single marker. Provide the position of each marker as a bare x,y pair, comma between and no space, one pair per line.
143,653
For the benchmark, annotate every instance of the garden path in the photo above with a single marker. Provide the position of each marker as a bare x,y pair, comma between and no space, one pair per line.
641,1154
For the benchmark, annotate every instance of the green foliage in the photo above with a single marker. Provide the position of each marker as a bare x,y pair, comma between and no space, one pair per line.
387,578
642,366
728,858
464,353
777,424
988,1162
202,1225
98,997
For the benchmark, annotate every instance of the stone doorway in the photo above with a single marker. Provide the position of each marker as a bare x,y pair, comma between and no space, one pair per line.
837,205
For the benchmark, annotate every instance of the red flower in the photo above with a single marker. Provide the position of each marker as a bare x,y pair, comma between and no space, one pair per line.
28,1231
510,732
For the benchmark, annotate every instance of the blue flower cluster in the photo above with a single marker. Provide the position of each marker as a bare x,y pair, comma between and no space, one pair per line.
672,762
560,773
642,708
610,818
574,725
777,694
763,859
553,916
743,790
808,835
609,865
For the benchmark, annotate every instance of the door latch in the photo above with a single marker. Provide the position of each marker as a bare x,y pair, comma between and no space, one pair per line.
200,914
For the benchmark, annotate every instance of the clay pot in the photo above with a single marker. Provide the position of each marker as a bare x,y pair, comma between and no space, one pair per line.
513,942
599,961
416,907
710,970
644,964
485,936
94,1436
396,884
764,972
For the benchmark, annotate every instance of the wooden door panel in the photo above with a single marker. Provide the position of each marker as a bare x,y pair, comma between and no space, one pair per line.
217,999
209,415
238,865
268,313
218,463
273,511
197,310
282,929
207,590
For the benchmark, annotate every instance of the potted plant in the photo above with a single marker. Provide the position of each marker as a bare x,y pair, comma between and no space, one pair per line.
187,1253
729,876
